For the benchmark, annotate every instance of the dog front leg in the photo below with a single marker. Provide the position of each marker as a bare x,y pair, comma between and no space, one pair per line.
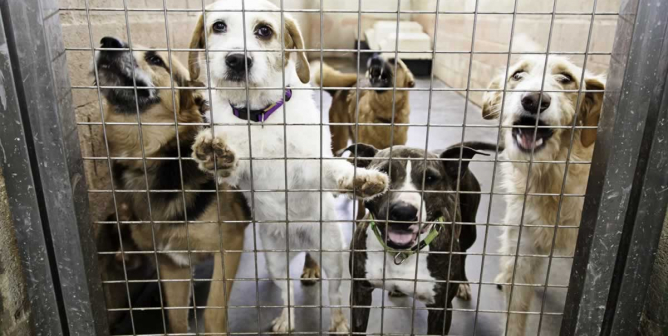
215,319
364,183
525,268
277,266
176,294
361,302
333,263
440,319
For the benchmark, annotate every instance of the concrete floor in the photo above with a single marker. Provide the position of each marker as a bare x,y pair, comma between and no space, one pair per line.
447,108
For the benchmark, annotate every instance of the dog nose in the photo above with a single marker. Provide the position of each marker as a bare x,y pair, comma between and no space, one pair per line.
111,42
403,212
530,102
236,62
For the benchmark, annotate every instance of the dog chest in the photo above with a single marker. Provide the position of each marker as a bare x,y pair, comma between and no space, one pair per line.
402,277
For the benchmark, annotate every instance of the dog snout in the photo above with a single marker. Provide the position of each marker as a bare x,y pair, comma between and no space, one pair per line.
530,101
403,212
111,42
237,61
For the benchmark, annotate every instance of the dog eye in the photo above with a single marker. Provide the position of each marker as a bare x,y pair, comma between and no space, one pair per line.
219,27
155,60
564,78
263,31
518,75
430,178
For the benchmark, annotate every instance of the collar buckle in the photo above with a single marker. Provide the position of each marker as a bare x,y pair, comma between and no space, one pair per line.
400,257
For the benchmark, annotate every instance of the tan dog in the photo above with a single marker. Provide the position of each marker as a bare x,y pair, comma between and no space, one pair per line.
523,108
149,69
374,106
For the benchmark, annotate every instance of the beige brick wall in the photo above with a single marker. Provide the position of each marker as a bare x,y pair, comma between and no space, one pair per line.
570,31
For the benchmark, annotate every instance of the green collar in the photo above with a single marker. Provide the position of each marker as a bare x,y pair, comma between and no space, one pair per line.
402,255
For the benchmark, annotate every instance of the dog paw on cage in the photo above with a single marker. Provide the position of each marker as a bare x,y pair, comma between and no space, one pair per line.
213,155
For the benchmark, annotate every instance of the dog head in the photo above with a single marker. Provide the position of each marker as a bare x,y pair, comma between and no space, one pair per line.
147,70
381,73
225,30
525,106
403,205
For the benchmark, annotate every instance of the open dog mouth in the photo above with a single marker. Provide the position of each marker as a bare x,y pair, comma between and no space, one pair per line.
402,236
524,136
380,73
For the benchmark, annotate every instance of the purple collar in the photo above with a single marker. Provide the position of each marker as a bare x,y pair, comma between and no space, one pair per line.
263,114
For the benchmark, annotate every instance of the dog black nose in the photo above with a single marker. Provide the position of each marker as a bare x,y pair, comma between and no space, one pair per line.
236,62
403,212
111,42
530,102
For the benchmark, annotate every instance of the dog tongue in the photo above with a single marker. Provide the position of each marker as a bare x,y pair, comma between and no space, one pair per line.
401,238
525,139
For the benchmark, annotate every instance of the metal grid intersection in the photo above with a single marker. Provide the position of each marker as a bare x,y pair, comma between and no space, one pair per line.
210,89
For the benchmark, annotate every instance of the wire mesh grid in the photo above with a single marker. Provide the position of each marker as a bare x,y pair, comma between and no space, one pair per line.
428,85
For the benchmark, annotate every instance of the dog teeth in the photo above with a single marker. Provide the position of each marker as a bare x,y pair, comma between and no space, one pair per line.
539,142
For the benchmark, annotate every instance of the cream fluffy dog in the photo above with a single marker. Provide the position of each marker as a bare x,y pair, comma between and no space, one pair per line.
525,107
233,145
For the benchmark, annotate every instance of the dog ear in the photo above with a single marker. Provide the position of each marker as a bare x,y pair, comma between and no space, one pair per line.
294,40
591,108
410,80
365,154
196,42
491,101
452,166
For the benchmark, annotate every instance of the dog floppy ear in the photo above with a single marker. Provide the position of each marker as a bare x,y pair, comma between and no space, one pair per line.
365,154
294,40
196,42
491,101
452,166
591,109
409,80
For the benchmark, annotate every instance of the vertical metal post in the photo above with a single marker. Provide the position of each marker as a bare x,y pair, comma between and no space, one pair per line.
24,206
625,202
39,68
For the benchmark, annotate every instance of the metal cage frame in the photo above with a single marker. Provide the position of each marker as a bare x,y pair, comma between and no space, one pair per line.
625,203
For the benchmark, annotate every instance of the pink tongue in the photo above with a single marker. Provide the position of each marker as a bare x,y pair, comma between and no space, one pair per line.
527,140
400,238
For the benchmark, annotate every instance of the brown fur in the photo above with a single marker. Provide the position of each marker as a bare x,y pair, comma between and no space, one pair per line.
374,107
164,141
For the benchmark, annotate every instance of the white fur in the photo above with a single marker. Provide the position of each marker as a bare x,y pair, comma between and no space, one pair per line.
269,142
544,178
423,290
409,193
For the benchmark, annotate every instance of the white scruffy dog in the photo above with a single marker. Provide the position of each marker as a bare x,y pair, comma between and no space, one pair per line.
559,105
221,32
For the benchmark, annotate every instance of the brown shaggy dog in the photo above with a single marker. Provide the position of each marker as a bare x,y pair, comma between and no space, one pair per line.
375,106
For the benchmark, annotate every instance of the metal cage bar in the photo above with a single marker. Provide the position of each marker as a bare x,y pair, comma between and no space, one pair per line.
65,241
599,297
